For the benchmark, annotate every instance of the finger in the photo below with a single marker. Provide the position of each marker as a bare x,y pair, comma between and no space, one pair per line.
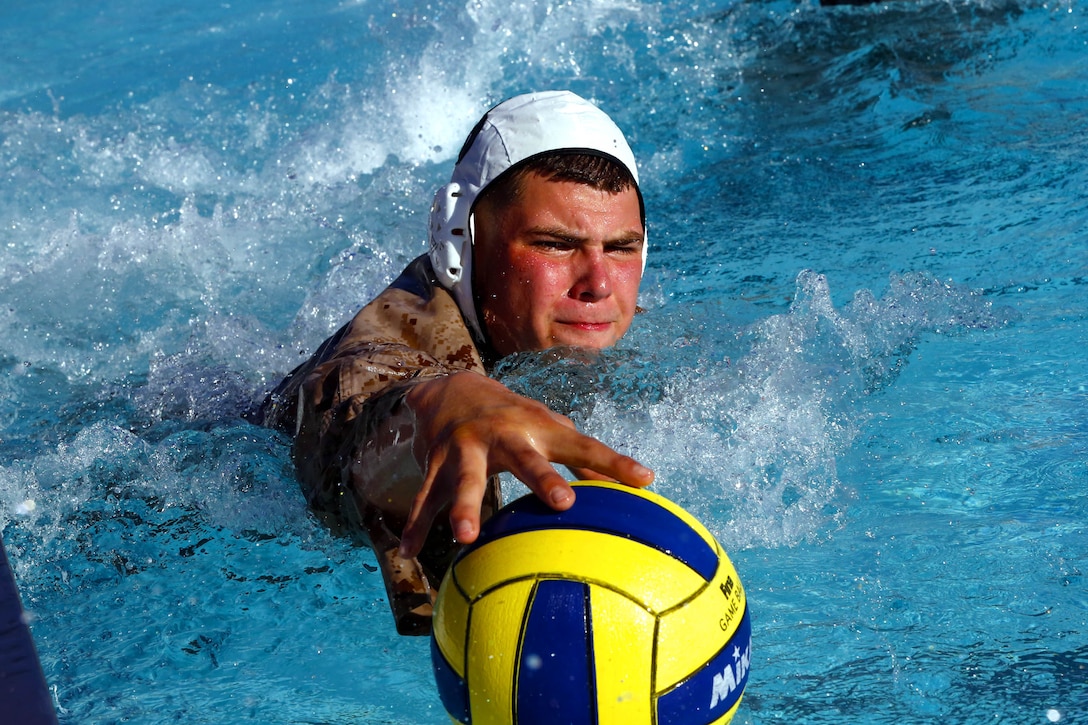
564,420
460,477
424,508
628,471
587,474
468,497
588,456
415,530
536,472
569,447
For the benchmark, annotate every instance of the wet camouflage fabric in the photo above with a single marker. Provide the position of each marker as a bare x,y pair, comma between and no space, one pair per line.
353,434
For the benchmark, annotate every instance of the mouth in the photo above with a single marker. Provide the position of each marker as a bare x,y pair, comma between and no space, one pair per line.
588,326
583,333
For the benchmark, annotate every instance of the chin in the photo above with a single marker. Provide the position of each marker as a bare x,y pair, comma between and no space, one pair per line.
591,342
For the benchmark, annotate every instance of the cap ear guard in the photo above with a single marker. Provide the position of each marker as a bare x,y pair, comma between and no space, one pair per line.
450,248
449,233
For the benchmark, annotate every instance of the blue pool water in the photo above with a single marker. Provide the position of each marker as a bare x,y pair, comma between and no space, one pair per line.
862,362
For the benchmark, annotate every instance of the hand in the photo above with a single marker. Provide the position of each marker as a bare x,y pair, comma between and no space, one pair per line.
469,427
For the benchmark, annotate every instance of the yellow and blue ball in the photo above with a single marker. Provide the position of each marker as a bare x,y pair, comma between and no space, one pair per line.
622,610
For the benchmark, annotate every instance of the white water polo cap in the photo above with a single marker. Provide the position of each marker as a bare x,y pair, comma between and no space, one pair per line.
514,131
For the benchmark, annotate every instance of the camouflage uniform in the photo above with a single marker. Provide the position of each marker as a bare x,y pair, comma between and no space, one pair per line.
353,434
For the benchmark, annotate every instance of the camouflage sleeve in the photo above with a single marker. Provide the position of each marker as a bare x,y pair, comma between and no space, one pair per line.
355,458
352,407
354,434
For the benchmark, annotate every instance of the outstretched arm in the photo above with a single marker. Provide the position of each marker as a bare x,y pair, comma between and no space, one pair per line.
468,427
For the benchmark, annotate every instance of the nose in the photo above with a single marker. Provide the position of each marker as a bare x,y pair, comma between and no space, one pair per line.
592,276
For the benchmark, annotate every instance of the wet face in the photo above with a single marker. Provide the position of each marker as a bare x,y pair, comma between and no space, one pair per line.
560,265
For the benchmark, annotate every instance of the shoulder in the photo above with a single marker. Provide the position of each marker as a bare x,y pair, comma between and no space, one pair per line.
418,279
419,313
413,325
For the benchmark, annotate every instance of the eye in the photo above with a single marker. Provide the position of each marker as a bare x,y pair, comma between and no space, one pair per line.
558,245
633,246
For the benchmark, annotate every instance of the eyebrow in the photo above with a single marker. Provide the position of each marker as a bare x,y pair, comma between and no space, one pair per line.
628,237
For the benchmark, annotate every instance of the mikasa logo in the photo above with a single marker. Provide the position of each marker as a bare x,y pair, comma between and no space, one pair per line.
732,676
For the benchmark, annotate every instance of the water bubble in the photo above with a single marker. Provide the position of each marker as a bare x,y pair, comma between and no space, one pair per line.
1053,715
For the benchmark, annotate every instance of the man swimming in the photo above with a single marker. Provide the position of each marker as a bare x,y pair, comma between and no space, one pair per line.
399,435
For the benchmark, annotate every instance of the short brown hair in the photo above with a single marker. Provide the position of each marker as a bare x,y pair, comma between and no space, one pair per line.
594,170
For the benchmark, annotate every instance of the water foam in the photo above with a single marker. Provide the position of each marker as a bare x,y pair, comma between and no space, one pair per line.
750,445
100,493
433,92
